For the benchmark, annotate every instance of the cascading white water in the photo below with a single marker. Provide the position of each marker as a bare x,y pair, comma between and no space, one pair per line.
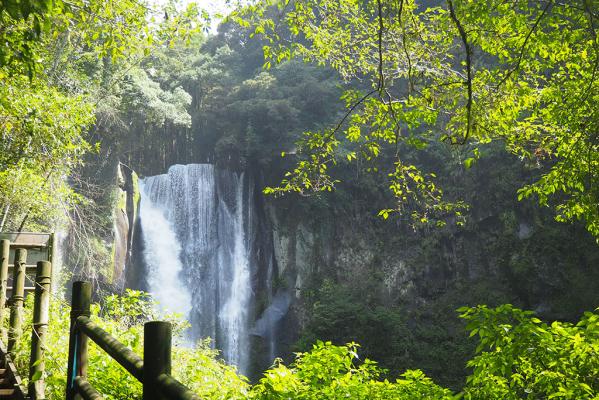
162,257
195,223
233,314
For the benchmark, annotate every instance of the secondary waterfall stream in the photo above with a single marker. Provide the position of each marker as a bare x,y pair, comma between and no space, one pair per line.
197,231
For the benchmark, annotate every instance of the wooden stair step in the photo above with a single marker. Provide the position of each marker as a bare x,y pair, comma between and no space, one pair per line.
7,392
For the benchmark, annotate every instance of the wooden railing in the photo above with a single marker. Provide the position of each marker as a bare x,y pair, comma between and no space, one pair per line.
153,371
41,307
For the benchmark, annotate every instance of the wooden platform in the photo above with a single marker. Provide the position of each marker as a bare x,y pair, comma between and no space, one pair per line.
39,246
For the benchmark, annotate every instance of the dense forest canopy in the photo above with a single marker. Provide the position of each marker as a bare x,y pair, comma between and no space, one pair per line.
464,73
416,73
436,115
62,66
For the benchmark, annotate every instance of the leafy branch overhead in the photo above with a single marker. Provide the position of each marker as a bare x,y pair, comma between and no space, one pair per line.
106,29
461,72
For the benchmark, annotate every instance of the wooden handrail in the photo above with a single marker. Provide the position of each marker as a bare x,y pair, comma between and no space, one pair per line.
41,305
29,245
4,254
173,389
157,353
77,361
86,390
16,300
115,349
27,266
154,374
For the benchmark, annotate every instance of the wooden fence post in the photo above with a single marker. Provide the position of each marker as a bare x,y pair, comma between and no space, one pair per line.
80,305
41,311
4,254
16,300
157,357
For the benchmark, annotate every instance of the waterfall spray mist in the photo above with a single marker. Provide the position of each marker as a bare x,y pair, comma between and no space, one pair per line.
162,251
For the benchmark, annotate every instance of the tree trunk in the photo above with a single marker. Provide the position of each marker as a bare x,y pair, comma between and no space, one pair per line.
4,215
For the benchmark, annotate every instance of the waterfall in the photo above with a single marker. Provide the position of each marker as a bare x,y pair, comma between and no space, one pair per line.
162,257
196,224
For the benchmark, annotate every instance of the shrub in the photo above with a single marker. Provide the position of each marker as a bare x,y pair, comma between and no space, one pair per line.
336,372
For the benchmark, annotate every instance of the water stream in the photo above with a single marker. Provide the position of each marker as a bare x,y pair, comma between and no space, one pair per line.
196,224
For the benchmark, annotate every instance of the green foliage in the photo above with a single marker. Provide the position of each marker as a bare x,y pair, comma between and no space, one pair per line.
109,30
42,129
123,317
240,115
61,65
518,356
336,372
429,338
340,314
143,95
458,72
521,357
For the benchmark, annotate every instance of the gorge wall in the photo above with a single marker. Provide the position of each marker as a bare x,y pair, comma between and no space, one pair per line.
396,291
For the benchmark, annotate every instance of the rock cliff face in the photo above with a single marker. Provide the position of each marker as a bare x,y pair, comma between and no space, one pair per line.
125,216
523,255
508,252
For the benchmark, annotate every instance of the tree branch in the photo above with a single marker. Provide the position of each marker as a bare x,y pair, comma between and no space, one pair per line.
523,47
381,76
468,82
348,113
381,84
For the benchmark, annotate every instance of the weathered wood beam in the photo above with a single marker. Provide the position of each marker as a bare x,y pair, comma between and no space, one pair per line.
41,314
77,364
121,353
16,300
